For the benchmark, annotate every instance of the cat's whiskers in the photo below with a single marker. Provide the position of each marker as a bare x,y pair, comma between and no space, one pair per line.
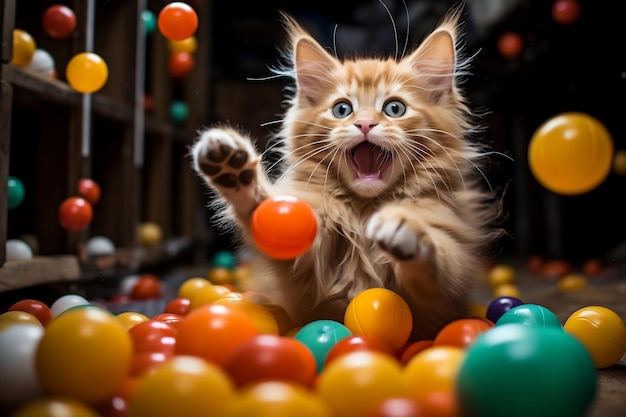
415,154
305,157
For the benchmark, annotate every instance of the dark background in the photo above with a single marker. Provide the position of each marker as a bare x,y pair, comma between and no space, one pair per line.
573,67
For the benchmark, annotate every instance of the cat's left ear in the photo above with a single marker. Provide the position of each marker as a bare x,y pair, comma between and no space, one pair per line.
435,63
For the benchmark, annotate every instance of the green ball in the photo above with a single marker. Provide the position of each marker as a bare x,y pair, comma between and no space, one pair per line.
516,370
530,315
224,259
15,192
320,336
179,111
149,21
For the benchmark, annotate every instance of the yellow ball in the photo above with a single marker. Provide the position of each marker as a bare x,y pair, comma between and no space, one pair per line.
506,290
571,153
433,369
55,407
150,234
130,319
500,274
619,162
23,48
191,285
263,319
87,72
188,45
380,313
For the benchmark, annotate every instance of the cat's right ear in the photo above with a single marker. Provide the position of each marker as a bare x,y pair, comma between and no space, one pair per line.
313,65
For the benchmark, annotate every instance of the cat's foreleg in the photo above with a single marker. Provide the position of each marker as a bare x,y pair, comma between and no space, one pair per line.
228,162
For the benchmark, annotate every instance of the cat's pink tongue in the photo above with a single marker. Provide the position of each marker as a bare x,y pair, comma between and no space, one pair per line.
368,159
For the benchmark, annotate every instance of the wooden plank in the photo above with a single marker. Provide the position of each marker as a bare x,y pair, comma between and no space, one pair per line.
6,105
39,270
7,17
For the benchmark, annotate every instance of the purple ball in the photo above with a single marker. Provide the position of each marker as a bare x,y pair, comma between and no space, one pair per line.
501,305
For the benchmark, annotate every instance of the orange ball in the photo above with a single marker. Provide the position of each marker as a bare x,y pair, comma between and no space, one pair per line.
510,44
571,153
177,21
213,332
75,214
461,332
180,63
89,190
284,227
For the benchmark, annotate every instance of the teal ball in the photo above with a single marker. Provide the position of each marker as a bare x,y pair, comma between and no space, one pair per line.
530,315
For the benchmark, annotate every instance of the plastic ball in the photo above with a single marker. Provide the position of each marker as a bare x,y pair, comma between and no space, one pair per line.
208,295
17,250
178,305
566,12
147,286
150,233
506,290
356,343
42,63
188,45
269,357
179,111
87,72
224,259
527,371
501,305
182,386
284,227
66,302
177,21
37,308
320,336
130,319
149,21
55,407
572,283
462,332
15,192
180,63
212,332
75,214
220,275
510,44
354,383
380,313
602,331
191,285
433,369
530,315
412,349
99,246
89,190
619,162
571,153
11,318
59,21
263,319
82,346
501,274
396,407
18,376
277,399
148,335
23,48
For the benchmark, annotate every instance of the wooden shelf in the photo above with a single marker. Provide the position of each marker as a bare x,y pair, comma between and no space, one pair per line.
39,270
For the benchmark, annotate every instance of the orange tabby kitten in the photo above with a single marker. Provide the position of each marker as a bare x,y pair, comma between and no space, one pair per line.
378,147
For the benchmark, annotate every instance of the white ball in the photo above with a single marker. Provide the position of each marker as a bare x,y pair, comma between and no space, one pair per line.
128,283
66,302
18,373
18,249
100,245
42,63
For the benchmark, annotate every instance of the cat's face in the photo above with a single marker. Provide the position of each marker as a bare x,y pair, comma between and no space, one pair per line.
376,125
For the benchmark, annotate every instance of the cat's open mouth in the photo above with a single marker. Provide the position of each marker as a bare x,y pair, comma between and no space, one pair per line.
369,161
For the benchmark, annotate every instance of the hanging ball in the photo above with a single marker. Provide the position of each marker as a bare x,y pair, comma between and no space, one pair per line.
566,12
15,192
180,64
75,214
150,234
42,63
177,21
188,45
59,21
571,153
100,246
179,111
17,249
23,48
87,72
510,44
89,190
149,21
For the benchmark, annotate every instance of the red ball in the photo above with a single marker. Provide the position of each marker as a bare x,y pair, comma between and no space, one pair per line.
413,349
89,190
396,407
357,343
35,307
147,286
566,12
510,44
75,213
179,305
148,336
177,21
171,318
284,227
462,332
269,357
59,21
180,64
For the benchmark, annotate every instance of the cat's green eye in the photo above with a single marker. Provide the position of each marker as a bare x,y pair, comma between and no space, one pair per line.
342,109
394,108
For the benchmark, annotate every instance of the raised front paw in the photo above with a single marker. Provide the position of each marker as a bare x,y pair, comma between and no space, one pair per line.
401,236
225,158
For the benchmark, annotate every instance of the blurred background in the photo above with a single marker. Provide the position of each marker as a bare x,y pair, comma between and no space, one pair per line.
534,59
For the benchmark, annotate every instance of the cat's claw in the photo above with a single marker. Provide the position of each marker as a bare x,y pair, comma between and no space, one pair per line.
397,237
224,158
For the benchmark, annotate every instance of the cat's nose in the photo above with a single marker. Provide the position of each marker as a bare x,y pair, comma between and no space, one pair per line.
365,125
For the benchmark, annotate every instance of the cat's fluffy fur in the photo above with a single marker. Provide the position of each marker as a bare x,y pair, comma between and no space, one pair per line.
380,149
